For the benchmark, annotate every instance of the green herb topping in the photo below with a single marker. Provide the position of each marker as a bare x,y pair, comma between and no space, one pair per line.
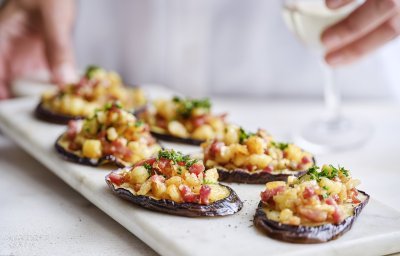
176,157
329,172
243,135
280,145
92,70
186,106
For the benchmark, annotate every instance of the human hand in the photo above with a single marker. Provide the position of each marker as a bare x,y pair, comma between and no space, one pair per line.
369,27
35,35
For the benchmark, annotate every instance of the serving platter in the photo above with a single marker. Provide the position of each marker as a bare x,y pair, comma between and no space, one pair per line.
377,231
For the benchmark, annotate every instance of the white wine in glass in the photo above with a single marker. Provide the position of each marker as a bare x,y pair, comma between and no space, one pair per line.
307,19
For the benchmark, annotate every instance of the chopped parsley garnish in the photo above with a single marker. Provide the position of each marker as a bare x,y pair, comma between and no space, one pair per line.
186,106
110,105
91,71
139,123
176,157
325,187
313,172
329,172
280,145
147,166
243,135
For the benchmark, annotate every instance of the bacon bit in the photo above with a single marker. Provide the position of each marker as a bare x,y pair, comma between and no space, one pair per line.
268,194
165,167
312,214
187,194
336,198
285,154
330,201
116,178
73,146
308,193
199,121
250,167
72,130
157,178
337,216
196,168
145,161
353,195
215,148
305,160
269,169
205,192
161,122
116,148
223,116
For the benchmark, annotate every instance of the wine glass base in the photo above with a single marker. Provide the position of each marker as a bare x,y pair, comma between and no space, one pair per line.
332,136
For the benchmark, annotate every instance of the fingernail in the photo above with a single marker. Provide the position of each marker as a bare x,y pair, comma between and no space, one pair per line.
334,3
330,40
65,73
336,59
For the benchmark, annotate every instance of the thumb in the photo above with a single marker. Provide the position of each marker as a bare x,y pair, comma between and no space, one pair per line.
57,20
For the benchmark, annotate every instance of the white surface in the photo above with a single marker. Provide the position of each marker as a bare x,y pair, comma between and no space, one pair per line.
376,232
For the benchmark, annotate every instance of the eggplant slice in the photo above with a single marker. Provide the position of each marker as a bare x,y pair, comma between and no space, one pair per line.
306,234
47,115
73,157
171,138
227,206
243,176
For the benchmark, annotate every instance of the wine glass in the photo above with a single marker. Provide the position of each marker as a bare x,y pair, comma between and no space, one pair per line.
307,19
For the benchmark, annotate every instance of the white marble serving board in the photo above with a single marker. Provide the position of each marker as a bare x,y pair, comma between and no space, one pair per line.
377,231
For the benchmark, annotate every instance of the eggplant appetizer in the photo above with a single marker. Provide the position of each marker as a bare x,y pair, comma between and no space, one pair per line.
181,120
111,135
254,158
317,207
96,88
175,184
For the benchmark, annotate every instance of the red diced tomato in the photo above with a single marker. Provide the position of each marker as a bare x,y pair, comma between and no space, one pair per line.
205,192
116,178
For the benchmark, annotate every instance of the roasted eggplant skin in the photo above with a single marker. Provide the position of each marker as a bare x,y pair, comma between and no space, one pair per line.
49,116
170,138
227,206
306,234
70,156
242,176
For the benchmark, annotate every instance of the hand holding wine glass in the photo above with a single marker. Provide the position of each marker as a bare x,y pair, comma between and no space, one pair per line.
340,32
369,27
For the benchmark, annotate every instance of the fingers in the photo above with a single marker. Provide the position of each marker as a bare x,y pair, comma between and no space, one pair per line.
335,4
352,52
365,19
58,18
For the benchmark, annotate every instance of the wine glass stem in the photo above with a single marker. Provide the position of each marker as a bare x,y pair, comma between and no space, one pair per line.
331,94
